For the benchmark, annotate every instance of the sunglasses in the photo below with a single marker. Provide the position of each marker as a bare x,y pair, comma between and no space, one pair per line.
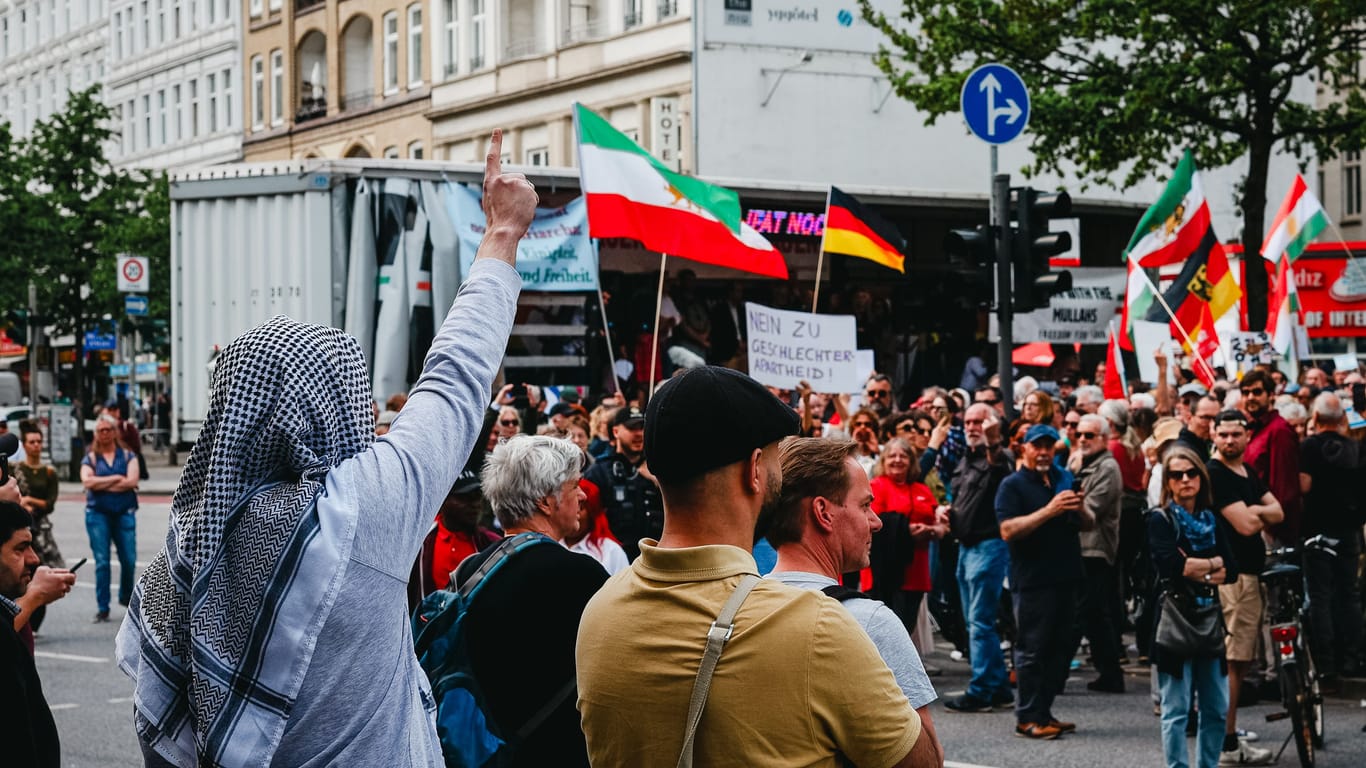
1072,424
1257,392
876,393
1182,474
864,425
509,422
992,401
1088,435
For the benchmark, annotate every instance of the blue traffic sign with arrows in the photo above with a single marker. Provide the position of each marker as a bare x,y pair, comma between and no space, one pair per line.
995,103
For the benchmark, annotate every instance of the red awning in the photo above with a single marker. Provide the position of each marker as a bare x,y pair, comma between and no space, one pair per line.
1038,354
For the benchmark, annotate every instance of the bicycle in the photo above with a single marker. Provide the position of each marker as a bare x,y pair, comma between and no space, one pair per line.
1287,612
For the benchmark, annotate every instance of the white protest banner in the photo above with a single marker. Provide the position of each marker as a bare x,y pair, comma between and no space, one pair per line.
555,254
1078,316
788,347
1248,348
1347,362
1148,338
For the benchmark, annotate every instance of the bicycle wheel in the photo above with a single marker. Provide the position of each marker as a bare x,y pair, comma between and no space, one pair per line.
1315,695
1295,693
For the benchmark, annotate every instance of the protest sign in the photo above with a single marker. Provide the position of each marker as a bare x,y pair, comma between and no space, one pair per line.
1079,316
1248,348
788,347
555,254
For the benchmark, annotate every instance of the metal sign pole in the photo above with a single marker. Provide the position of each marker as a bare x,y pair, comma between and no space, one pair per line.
1000,211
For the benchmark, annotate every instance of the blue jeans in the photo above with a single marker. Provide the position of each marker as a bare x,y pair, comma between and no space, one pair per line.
981,571
1211,688
122,529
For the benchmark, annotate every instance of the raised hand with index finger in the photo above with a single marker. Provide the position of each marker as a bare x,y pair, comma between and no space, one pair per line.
509,205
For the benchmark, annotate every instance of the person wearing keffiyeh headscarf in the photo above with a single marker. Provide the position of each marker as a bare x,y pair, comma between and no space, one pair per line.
271,628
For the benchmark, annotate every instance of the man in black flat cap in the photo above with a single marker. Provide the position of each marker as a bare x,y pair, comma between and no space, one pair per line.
797,677
630,498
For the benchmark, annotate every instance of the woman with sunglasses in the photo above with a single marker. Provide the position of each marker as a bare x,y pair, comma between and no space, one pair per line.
1187,544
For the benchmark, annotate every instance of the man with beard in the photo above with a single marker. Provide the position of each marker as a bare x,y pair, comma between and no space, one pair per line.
1102,489
1273,450
454,536
797,676
629,496
1245,509
824,527
877,395
982,559
27,730
1041,518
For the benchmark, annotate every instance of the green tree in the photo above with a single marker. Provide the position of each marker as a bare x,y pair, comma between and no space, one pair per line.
68,212
1119,88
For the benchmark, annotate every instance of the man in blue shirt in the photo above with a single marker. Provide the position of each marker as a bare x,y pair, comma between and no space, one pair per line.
1041,518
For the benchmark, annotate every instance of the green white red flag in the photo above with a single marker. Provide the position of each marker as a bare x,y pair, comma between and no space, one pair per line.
630,193
1300,219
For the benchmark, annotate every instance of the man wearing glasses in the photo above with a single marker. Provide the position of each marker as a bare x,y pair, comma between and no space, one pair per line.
878,393
1102,488
1274,452
991,396
1196,435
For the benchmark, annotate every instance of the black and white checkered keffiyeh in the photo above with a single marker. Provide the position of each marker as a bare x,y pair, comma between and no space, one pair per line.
223,622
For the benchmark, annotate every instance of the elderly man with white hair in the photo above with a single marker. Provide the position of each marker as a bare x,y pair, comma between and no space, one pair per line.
1329,465
1102,487
1089,398
529,609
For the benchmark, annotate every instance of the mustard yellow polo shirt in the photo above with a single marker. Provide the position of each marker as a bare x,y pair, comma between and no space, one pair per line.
798,683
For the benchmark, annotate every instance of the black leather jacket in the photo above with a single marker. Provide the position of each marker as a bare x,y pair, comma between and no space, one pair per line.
975,482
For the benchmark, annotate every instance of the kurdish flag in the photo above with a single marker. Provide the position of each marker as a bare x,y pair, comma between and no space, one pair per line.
1300,219
632,194
852,230
1176,230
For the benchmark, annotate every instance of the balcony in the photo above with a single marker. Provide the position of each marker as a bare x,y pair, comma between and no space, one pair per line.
476,62
304,6
578,33
357,99
528,46
632,19
310,109
668,9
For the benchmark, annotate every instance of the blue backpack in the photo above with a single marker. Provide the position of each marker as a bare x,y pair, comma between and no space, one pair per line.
469,736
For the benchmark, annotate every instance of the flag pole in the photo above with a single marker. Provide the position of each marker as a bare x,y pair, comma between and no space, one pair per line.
820,258
607,335
654,342
1184,333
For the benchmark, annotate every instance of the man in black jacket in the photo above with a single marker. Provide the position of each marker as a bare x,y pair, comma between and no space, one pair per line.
630,497
27,731
982,559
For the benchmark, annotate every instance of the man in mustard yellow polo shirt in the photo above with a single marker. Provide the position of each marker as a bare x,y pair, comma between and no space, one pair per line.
799,682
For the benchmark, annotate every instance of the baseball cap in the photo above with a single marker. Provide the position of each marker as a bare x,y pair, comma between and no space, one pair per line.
710,417
467,482
1042,432
561,409
626,414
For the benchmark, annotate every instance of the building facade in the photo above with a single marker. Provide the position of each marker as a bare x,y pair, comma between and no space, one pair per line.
47,48
175,82
325,78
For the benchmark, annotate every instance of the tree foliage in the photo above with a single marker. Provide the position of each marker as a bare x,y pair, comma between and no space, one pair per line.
67,213
1119,88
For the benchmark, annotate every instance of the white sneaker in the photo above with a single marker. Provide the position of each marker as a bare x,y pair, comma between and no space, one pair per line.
1246,735
1245,754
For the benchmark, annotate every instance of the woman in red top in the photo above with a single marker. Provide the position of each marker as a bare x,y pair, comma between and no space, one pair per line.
897,490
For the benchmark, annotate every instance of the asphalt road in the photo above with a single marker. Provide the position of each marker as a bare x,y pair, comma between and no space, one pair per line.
91,698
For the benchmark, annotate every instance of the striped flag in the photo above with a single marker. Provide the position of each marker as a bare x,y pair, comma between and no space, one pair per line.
1114,384
632,194
853,230
1300,219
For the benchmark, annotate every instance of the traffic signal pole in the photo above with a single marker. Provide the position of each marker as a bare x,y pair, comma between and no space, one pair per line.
1000,220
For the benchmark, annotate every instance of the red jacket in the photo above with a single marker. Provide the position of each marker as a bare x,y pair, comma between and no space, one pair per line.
1274,451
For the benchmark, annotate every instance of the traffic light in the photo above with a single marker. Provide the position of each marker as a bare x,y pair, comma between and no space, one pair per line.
973,252
1032,245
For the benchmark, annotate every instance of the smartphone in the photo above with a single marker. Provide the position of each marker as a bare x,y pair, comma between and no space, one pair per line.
77,566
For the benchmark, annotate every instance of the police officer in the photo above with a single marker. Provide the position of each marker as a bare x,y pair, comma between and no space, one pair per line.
630,498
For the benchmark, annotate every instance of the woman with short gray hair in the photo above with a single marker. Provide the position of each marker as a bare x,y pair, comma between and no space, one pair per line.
532,483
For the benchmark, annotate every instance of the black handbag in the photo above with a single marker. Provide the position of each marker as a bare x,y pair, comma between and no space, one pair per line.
1186,627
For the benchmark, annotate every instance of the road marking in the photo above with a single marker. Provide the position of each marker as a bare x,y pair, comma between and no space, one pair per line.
952,764
69,657
121,700
63,706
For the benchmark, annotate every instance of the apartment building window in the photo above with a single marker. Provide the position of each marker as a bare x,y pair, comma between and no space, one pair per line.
38,113
391,52
1351,184
178,116
415,150
254,9
176,18
228,80
211,87
161,22
274,5
4,36
414,45
258,92
129,129
391,153
222,9
118,34
194,108
277,87
668,9
146,142
161,117
631,15
451,39
538,156
476,34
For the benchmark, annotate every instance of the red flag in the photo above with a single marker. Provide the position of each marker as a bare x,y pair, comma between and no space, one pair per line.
1114,367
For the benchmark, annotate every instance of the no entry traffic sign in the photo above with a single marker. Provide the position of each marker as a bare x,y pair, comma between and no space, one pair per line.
133,274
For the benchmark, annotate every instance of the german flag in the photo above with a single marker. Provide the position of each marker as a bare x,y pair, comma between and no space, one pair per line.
853,230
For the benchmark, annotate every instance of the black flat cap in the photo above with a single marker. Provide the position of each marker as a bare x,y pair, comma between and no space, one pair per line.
710,417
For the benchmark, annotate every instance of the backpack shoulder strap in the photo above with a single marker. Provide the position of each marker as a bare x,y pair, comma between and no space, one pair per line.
717,636
497,556
841,592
